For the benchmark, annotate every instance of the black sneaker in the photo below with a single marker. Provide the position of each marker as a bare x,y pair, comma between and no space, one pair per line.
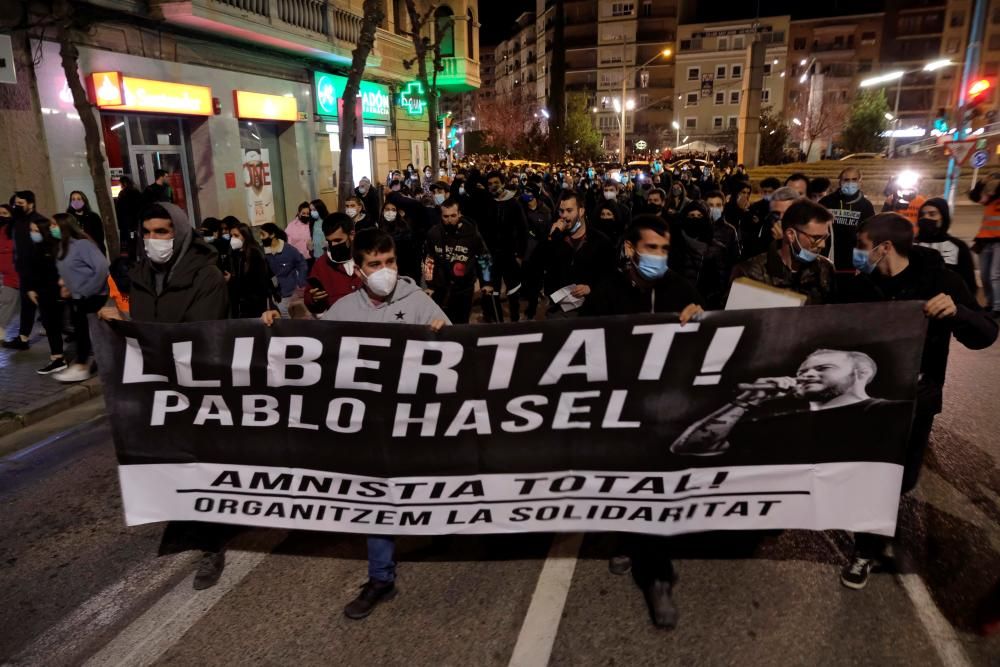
54,366
855,574
16,344
372,593
619,564
661,605
209,569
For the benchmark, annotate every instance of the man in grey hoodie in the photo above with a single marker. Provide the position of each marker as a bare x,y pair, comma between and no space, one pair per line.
386,298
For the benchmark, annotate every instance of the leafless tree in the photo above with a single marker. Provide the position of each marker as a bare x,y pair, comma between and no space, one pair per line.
424,46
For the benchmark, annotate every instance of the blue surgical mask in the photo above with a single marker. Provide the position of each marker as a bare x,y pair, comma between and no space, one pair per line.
860,260
439,199
36,237
850,189
226,237
714,212
314,215
651,267
575,228
803,255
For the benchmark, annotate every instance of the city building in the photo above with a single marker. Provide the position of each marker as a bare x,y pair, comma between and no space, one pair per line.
712,64
237,101
514,76
828,58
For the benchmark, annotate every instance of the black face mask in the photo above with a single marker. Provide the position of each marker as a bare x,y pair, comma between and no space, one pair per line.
339,252
267,242
451,230
305,218
929,230
699,228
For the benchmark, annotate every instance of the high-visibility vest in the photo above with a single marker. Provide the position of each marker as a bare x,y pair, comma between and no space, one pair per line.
121,300
990,229
912,212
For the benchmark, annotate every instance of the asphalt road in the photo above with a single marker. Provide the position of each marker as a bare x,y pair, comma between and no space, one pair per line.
81,588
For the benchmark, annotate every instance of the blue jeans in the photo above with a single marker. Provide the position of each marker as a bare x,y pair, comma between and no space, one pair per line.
381,564
989,271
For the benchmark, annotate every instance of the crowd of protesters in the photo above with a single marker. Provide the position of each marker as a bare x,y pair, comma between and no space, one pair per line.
518,242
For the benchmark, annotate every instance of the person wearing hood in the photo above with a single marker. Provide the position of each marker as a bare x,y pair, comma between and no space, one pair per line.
386,298
177,280
677,198
932,232
704,249
287,263
83,276
455,256
850,208
892,269
736,211
87,219
367,194
795,261
610,190
643,283
299,230
505,230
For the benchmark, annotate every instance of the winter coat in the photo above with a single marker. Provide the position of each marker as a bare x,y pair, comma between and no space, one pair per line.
289,267
407,304
92,225
815,280
84,269
299,235
250,286
618,293
460,256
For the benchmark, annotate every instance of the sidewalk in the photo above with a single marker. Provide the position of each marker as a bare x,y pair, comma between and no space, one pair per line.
27,397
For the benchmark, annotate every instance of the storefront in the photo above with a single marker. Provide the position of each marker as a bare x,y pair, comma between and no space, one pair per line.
375,105
145,131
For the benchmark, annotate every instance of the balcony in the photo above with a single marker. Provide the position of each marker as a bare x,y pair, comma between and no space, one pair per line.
315,28
460,75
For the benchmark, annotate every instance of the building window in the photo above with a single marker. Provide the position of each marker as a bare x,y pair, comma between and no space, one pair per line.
737,72
720,98
864,65
643,99
765,95
716,122
733,122
738,42
647,7
690,123
694,73
691,100
767,69
723,43
444,26
720,72
800,44
622,8
734,97
994,42
951,46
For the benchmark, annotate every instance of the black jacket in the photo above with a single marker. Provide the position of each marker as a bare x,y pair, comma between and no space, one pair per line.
619,294
250,284
502,224
705,257
92,224
755,237
923,279
24,247
189,288
460,256
561,263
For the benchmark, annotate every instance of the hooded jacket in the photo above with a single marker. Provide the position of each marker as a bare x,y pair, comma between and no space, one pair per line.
704,253
408,304
189,288
84,269
503,224
954,251
848,213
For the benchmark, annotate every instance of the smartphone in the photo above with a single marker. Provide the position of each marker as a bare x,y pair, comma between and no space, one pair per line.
315,283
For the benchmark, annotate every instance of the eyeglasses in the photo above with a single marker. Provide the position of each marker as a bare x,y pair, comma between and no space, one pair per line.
814,239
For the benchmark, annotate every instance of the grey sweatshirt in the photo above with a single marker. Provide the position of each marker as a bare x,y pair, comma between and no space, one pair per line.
407,304
84,269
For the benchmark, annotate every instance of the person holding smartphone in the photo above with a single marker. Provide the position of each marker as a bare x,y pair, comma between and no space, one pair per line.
334,275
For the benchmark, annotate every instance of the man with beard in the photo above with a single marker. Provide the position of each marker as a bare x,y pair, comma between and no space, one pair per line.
825,404
455,256
850,208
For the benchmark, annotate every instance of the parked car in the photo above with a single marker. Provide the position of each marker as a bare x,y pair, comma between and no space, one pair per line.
863,156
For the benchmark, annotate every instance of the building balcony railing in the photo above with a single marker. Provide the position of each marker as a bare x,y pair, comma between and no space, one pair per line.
315,27
460,75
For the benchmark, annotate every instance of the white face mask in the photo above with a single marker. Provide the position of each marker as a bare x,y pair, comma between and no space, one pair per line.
461,189
237,244
159,251
610,194
390,216
351,211
382,282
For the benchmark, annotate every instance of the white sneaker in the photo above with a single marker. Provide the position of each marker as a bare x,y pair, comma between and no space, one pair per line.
74,374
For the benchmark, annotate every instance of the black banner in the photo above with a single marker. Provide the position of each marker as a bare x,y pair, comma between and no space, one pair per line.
783,418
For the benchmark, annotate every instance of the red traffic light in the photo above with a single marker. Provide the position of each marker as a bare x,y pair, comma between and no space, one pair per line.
978,89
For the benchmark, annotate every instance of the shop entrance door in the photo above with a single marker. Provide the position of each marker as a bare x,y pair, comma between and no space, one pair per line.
147,161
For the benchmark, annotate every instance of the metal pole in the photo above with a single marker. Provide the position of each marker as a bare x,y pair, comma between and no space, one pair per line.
624,76
895,115
678,142
972,53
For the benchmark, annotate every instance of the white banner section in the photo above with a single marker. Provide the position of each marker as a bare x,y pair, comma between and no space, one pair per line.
856,496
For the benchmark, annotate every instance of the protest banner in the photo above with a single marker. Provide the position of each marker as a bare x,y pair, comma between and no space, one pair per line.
744,420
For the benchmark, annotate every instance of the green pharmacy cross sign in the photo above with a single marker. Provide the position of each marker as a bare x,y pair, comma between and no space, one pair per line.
413,99
330,87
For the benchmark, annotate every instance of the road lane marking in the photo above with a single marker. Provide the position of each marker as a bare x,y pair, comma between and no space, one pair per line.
541,623
151,635
939,631
55,437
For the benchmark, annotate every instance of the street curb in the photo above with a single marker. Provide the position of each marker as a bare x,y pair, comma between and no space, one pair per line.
50,405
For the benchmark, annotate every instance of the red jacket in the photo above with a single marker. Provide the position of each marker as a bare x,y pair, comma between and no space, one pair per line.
7,270
336,283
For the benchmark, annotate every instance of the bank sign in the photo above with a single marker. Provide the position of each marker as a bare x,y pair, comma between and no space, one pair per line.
375,99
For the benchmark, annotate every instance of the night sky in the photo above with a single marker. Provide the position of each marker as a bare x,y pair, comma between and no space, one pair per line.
497,18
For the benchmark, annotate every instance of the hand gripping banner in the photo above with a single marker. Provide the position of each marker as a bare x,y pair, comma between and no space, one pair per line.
745,420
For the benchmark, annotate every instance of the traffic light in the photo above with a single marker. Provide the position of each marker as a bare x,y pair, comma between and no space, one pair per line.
978,90
975,96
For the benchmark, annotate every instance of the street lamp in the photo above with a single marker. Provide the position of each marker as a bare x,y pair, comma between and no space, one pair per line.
797,122
677,126
624,106
897,76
